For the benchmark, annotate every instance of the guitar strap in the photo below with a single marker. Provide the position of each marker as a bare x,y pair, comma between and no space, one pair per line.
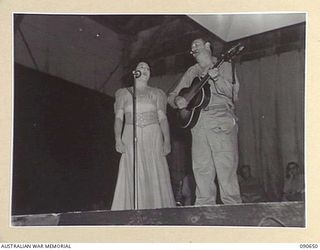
232,84
233,79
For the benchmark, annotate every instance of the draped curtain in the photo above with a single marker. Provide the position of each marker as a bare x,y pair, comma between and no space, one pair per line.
271,117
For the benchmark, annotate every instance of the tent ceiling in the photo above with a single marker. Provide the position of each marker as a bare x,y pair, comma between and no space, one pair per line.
231,27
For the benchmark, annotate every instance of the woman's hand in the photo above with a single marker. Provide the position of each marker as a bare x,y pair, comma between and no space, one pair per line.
120,147
166,147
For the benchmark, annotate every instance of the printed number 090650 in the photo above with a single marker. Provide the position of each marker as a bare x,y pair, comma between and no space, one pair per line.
308,245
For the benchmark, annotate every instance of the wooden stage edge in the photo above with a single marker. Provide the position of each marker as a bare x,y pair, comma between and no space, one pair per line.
270,214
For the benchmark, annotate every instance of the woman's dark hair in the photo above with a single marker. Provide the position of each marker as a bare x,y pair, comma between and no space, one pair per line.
128,78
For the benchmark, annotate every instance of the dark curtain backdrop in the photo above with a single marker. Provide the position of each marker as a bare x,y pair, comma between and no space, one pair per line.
63,154
271,116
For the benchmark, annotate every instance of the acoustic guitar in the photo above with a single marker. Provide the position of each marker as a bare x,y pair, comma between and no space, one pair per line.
198,94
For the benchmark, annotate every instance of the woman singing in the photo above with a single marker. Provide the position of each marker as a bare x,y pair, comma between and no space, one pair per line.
153,186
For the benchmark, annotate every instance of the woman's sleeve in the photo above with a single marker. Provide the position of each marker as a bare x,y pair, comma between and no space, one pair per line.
161,105
119,104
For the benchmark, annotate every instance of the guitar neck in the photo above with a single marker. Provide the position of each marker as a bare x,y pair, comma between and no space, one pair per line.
198,84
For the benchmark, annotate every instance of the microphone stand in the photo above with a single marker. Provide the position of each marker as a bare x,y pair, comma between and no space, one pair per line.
134,111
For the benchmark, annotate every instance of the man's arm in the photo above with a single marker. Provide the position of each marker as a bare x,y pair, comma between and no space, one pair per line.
185,81
224,81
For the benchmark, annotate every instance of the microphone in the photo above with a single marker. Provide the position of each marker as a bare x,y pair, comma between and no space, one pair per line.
136,73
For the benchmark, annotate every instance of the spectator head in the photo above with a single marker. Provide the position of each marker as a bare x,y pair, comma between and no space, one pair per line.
292,169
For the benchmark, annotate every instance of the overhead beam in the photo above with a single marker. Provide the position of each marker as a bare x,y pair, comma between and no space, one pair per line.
17,21
28,48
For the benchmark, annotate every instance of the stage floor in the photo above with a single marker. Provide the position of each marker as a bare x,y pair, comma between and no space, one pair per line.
270,214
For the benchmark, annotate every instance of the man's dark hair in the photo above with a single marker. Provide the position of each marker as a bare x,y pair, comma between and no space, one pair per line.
206,40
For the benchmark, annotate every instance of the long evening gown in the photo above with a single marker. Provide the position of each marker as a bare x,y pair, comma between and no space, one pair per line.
153,179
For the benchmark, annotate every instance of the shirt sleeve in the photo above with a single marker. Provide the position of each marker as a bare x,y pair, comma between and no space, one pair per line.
119,103
224,82
161,105
185,82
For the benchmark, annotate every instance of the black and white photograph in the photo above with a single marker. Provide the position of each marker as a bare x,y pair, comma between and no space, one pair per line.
159,120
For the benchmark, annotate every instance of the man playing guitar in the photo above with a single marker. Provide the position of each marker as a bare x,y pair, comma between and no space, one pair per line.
214,135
